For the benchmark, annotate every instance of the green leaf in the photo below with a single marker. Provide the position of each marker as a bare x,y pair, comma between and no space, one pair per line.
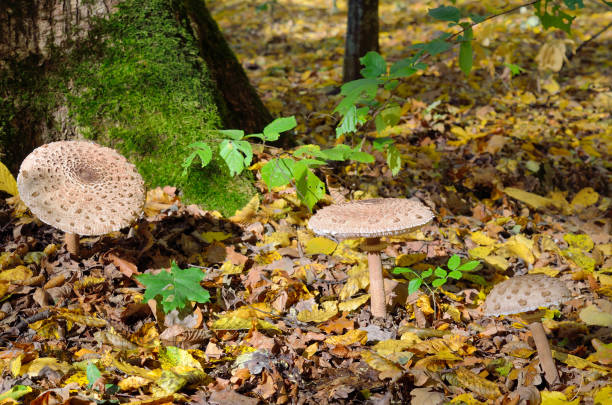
434,47
404,67
414,285
235,134
555,18
427,273
477,19
394,159
310,189
380,144
92,373
353,117
175,288
440,272
465,57
445,13
272,130
474,278
453,262
573,4
237,155
277,172
469,266
361,157
514,69
402,270
456,274
16,392
438,282
388,117
374,65
391,85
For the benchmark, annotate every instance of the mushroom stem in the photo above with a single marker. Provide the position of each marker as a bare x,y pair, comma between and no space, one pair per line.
544,353
378,303
72,243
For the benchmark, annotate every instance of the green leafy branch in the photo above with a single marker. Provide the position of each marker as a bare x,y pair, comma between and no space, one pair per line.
235,150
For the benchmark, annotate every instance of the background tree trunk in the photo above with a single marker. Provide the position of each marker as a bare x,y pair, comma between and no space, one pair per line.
361,35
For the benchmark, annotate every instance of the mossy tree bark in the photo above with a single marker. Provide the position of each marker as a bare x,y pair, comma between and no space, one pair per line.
361,36
148,78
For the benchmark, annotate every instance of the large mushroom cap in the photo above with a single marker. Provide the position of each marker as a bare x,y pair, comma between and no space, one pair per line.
81,187
370,218
525,293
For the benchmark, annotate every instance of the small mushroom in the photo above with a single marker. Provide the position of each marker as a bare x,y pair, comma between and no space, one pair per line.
371,219
527,293
81,188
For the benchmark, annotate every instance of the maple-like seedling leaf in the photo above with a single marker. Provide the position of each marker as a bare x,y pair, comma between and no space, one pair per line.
175,288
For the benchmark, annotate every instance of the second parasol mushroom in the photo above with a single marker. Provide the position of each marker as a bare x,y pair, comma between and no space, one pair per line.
371,219
81,188
527,293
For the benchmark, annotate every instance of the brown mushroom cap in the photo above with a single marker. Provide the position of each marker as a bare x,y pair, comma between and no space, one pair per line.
370,218
81,187
525,293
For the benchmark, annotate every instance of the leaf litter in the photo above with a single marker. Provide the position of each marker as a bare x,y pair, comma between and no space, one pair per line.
517,173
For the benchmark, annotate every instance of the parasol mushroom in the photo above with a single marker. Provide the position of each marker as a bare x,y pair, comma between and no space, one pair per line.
371,219
527,293
81,188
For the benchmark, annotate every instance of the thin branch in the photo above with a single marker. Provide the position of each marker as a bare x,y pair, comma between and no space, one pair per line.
595,36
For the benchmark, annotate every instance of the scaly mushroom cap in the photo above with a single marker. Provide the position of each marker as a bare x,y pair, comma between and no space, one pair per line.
525,293
370,218
81,187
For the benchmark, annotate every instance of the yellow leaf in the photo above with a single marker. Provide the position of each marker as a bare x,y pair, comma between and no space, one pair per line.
328,310
277,239
33,368
549,271
248,212
592,315
171,357
211,237
320,245
585,198
406,260
518,245
480,238
580,258
480,252
577,362
15,365
602,396
354,303
311,350
583,242
7,181
75,315
387,368
556,398
550,85
424,304
477,384
267,257
19,273
358,279
533,200
80,377
229,268
132,383
349,338
467,399
603,352
389,346
605,249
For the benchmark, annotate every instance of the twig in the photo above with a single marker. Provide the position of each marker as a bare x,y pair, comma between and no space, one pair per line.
584,43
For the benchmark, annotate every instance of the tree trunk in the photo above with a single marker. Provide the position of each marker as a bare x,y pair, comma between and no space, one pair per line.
242,106
147,77
361,35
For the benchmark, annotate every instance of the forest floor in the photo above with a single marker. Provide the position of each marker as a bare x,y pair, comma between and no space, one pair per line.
516,170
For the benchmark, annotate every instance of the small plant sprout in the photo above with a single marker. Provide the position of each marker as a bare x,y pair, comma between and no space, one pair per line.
455,270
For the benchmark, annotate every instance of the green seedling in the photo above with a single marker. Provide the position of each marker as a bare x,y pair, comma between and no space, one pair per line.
455,270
